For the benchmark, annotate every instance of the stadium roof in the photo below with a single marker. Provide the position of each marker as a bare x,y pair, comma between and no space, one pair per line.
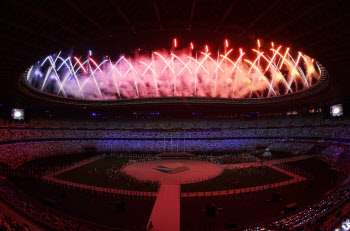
34,29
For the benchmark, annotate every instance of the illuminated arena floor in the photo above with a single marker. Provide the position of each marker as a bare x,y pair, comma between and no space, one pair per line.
170,209
173,171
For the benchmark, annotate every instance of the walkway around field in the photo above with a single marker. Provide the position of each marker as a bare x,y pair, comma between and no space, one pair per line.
85,187
295,176
243,190
291,159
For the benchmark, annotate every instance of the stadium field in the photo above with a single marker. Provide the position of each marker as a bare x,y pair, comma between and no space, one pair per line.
238,178
106,173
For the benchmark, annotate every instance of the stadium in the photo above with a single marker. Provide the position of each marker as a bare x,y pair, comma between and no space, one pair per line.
175,115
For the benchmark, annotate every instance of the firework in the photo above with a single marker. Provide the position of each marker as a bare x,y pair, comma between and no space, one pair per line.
232,73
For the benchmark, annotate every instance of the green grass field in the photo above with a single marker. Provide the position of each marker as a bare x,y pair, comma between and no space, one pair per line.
86,174
238,178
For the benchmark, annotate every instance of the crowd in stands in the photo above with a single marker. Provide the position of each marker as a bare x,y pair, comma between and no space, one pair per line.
53,163
15,153
291,147
9,223
341,220
163,123
15,133
306,219
11,154
331,154
308,126
343,161
234,158
21,142
39,212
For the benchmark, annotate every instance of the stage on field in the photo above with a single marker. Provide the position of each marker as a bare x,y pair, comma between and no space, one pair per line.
173,171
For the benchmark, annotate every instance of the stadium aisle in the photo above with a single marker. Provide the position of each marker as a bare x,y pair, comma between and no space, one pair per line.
166,210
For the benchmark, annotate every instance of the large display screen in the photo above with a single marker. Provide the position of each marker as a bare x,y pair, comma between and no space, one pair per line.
17,114
337,110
